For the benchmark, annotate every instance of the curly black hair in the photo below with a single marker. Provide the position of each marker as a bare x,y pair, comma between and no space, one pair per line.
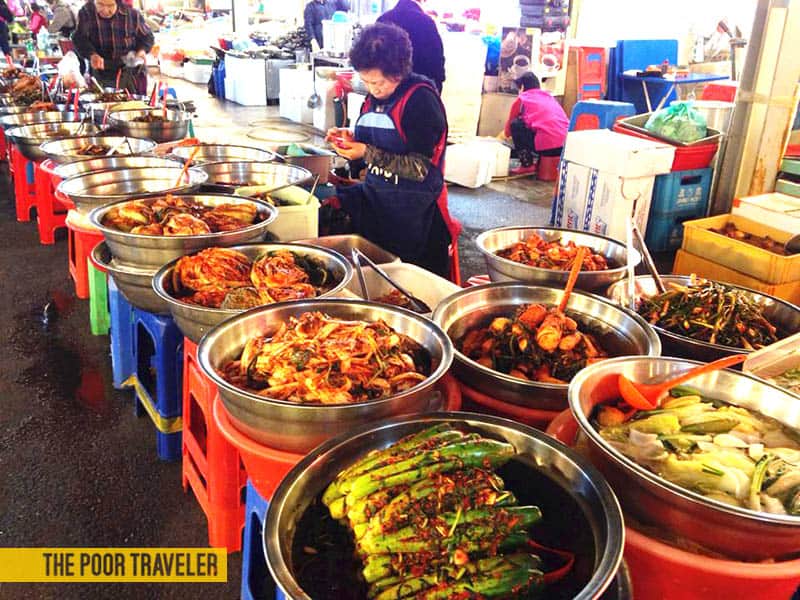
385,47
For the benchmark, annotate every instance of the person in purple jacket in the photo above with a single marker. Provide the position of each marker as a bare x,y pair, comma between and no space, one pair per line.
537,124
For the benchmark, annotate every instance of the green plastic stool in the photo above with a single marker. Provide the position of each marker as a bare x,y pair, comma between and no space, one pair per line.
99,317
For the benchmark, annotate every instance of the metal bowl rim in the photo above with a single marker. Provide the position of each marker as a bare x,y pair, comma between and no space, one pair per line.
103,170
655,343
649,476
161,275
122,268
606,495
479,242
186,158
314,304
184,115
148,146
280,165
686,339
97,213
115,198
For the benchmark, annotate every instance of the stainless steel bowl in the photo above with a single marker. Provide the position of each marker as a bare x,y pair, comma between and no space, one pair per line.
135,283
736,532
299,427
50,116
68,150
344,245
195,321
619,331
112,163
154,251
502,269
274,176
784,315
90,190
28,138
573,497
208,153
98,110
173,129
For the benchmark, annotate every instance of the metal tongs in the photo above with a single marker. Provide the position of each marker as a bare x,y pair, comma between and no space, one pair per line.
648,260
357,255
120,145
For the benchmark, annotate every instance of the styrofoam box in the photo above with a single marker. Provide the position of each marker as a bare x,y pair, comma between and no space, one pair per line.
598,202
502,154
196,73
426,286
295,108
296,222
170,68
612,152
777,210
469,165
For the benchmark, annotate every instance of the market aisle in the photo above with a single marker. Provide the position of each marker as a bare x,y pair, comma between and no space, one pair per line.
78,469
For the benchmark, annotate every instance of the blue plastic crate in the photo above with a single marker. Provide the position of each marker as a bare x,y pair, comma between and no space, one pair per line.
257,583
682,191
665,230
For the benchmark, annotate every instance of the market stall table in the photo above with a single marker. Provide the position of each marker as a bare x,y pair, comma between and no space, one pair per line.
673,80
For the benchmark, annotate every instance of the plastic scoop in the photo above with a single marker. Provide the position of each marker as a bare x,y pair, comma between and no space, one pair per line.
187,165
646,396
573,277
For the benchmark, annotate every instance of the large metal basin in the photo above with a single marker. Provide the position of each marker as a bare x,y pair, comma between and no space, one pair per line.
782,314
28,138
90,190
195,321
299,427
112,163
154,251
66,151
502,269
579,509
227,176
344,245
208,153
50,116
619,331
736,532
174,128
135,283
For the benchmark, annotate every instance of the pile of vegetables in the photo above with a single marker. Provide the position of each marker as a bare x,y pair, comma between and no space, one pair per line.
788,380
724,452
431,519
710,312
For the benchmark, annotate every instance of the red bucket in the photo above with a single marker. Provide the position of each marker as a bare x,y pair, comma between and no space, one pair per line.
266,466
479,402
659,570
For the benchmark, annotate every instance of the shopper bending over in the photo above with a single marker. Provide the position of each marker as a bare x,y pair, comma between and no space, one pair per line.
402,203
537,124
107,32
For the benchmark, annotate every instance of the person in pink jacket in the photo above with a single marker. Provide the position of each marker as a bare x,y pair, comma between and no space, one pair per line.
537,124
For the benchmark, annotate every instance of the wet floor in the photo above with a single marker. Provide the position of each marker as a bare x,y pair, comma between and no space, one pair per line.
77,468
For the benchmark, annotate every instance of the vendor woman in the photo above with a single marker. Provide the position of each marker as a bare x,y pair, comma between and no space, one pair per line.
402,203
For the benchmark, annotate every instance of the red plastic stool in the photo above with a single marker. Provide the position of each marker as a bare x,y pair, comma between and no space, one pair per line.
211,465
24,187
51,214
3,145
479,402
547,169
81,242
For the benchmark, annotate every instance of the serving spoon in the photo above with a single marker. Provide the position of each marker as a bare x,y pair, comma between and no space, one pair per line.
647,396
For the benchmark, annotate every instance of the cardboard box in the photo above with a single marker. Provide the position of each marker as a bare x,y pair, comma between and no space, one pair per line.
612,152
598,202
777,210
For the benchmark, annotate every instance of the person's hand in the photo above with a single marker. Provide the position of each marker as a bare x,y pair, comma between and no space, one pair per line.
336,134
353,150
97,62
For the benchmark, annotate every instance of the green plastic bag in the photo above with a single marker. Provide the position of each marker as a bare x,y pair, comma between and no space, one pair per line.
679,122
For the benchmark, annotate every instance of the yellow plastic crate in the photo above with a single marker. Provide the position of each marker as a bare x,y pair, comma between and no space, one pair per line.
760,264
686,264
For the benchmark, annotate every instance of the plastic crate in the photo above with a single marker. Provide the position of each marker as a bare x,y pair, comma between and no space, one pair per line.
760,264
665,230
682,191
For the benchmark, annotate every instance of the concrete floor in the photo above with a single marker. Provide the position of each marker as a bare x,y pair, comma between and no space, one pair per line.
77,468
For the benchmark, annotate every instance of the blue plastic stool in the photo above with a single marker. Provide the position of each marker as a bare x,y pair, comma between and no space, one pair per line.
158,381
123,363
598,114
257,583
170,92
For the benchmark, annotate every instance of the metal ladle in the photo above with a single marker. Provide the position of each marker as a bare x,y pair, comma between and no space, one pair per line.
314,101
419,305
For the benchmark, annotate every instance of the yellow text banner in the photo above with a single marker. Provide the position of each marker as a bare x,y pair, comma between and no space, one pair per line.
189,565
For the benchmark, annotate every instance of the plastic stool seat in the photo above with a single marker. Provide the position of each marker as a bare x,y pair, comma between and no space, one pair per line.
123,363
99,317
598,114
547,169
81,241
51,214
24,184
210,465
158,354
